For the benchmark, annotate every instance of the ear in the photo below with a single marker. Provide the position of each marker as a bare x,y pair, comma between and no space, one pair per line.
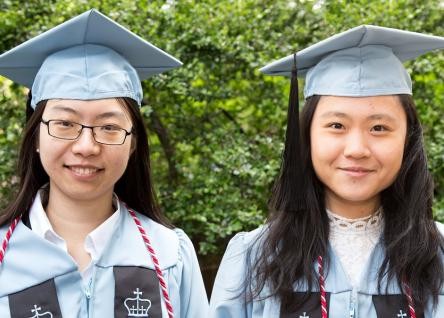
37,143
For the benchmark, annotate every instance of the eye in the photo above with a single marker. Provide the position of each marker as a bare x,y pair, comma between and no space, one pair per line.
63,123
336,125
379,128
110,128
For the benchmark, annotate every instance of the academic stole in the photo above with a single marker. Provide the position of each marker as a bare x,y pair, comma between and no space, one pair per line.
136,294
42,299
316,304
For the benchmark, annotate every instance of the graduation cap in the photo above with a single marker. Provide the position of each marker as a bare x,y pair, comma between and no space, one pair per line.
87,57
363,61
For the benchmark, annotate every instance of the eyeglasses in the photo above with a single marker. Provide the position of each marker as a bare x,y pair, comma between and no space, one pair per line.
68,130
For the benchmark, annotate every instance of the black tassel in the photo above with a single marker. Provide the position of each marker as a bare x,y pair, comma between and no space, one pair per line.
29,110
291,180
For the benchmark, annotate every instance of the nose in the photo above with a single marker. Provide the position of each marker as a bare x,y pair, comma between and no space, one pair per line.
356,145
86,144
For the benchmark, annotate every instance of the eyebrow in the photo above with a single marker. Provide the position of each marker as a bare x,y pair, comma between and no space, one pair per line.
382,116
377,116
64,108
334,114
100,116
111,115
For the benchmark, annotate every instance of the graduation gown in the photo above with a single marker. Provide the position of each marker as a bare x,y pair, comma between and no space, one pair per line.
38,279
343,300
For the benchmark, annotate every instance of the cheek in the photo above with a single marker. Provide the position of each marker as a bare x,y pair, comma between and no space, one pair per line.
118,158
391,157
47,150
324,150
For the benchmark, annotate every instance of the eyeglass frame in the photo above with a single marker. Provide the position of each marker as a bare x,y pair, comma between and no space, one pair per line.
127,133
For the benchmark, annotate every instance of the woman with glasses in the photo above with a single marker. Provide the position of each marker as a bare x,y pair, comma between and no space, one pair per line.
351,231
84,236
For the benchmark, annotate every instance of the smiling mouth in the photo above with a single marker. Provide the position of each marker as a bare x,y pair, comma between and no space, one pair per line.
356,171
361,170
83,171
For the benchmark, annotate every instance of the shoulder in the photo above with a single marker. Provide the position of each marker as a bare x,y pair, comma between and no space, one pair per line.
186,247
243,241
251,236
4,227
158,231
230,283
141,234
173,246
440,227
242,248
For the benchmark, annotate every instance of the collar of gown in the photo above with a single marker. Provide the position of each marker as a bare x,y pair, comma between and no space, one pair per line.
95,242
31,259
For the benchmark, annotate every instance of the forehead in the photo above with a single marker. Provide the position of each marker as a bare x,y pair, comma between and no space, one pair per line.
109,107
360,107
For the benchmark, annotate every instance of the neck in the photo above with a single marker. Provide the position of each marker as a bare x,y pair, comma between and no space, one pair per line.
73,220
351,209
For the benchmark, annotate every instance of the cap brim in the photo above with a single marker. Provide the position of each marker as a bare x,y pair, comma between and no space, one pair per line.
405,45
21,63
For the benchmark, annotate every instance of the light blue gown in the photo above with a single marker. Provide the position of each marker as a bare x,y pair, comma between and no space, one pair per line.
33,266
344,300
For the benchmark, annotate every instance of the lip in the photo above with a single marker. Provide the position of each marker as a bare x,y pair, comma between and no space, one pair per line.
83,172
356,171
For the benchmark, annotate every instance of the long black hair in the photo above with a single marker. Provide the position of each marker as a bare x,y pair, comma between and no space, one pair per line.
135,187
293,238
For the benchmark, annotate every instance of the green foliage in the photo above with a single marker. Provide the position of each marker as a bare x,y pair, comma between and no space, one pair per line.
216,125
11,123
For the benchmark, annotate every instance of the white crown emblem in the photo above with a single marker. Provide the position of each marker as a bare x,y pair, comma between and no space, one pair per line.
137,307
36,313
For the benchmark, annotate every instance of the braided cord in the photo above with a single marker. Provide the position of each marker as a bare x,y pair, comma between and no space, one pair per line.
145,238
159,274
8,235
411,304
324,312
407,289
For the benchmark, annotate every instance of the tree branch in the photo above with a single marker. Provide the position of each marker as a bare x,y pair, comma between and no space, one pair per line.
157,126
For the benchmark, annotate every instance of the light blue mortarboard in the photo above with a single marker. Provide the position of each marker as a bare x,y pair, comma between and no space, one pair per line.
87,57
363,61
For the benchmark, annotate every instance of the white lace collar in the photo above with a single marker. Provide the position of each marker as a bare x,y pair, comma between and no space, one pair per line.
353,241
368,223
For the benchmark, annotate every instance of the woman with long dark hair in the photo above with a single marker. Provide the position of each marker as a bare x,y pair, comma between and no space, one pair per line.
351,230
84,236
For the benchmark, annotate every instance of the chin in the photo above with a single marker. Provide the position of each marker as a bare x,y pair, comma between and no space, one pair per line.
83,193
356,197
81,196
354,193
